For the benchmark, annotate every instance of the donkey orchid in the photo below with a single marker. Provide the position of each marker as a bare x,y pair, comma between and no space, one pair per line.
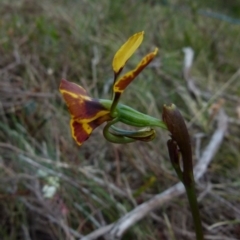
88,113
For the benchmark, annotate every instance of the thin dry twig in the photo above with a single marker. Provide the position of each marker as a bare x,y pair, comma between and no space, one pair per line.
188,60
116,230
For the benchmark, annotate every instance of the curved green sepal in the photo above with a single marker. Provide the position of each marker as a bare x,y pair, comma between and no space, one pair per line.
145,134
115,138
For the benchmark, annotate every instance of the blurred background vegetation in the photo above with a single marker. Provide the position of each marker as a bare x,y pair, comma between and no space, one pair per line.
44,41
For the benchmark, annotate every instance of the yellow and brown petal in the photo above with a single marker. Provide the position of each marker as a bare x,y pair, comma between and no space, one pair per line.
82,131
126,51
86,113
126,79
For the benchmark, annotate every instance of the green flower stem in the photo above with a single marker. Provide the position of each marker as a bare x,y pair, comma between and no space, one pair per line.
115,101
186,177
192,199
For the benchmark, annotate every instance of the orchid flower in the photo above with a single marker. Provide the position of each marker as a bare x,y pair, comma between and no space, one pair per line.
88,113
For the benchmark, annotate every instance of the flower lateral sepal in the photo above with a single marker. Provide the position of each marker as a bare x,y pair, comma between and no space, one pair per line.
146,134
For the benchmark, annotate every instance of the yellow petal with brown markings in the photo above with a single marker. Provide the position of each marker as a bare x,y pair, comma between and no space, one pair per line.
126,79
126,51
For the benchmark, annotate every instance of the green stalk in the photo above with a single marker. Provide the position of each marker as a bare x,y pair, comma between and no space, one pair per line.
186,177
192,199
